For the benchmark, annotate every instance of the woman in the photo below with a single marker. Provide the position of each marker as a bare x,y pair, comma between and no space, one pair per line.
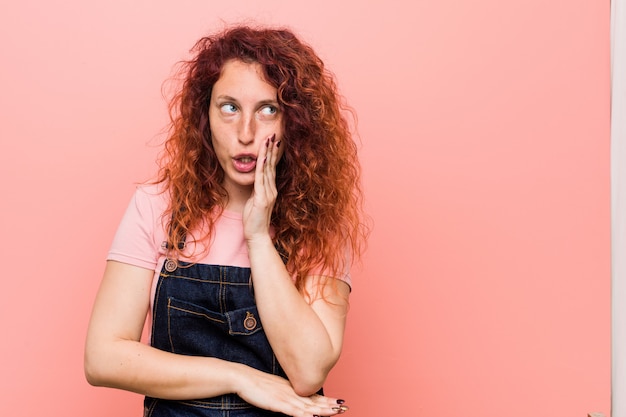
240,249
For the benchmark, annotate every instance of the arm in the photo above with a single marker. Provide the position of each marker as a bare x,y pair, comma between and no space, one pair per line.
306,335
115,357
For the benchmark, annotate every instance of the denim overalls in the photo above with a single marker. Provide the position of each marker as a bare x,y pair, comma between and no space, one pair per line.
209,310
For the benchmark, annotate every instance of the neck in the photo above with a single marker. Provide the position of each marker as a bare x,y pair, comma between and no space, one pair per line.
237,199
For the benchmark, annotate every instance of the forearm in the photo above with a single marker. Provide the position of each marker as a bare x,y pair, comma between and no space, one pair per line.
134,366
115,357
306,336
305,347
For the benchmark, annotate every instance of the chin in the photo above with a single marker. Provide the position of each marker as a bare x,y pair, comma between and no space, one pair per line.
243,180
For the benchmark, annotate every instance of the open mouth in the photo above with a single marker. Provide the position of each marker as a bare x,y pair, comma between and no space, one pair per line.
244,163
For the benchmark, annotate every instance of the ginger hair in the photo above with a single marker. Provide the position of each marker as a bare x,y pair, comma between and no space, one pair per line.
317,217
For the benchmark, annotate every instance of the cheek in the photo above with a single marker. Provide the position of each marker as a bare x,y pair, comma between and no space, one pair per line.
281,152
217,135
218,145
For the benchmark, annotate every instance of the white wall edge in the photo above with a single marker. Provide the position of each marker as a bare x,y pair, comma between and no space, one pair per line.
618,206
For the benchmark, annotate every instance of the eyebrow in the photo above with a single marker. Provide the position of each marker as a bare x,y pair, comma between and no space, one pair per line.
262,102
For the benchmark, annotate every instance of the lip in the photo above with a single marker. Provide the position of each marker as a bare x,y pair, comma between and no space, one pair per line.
244,162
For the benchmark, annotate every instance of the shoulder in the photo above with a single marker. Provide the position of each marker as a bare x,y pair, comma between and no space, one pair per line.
152,194
151,200
141,231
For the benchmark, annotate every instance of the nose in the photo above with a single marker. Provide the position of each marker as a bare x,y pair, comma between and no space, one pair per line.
247,130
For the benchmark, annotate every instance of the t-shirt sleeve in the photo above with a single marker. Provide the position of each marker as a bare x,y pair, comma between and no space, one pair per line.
345,276
140,233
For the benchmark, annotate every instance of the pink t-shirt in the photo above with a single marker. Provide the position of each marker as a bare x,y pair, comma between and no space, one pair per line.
141,236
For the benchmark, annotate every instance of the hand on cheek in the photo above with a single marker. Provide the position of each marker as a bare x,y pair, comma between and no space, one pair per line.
258,209
272,155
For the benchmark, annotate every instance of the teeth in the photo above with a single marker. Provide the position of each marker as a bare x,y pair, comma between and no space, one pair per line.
246,159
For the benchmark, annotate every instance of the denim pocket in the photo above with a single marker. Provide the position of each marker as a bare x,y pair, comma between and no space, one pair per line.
244,321
180,308
190,327
235,336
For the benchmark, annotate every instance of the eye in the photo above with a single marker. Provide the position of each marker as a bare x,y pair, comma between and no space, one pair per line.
269,110
228,108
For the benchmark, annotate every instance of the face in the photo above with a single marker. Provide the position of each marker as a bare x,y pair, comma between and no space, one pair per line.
243,113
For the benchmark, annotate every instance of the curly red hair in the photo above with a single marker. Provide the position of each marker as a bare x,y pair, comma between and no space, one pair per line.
317,216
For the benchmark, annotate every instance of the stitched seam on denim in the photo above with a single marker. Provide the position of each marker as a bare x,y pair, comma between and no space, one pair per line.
238,333
221,281
222,405
234,333
171,307
169,326
154,308
222,291
150,409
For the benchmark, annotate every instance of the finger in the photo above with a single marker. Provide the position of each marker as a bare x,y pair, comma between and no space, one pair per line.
270,167
268,159
261,162
318,411
275,155
271,154
315,405
331,411
330,406
270,149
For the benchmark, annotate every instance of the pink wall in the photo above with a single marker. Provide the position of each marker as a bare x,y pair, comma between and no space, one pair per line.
485,129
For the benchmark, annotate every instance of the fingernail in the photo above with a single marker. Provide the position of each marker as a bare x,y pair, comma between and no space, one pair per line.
278,144
341,409
267,143
273,137
340,401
